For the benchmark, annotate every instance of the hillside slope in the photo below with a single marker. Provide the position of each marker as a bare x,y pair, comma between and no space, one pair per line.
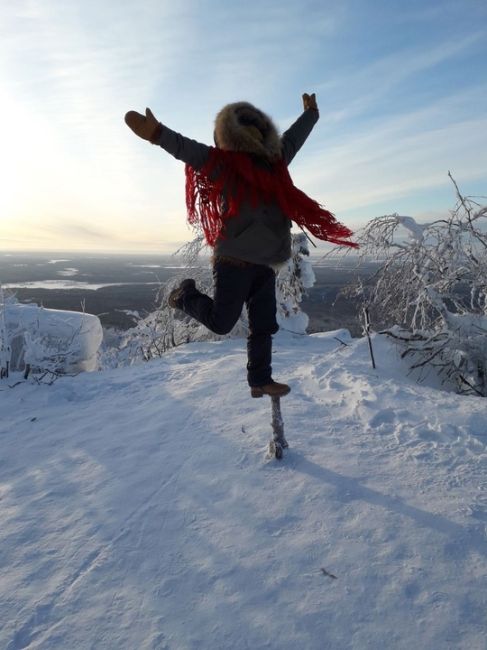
138,509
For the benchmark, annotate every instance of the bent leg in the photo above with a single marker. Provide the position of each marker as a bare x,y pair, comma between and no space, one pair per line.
220,313
261,307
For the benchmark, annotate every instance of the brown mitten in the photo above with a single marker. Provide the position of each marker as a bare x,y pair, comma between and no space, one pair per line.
309,101
146,127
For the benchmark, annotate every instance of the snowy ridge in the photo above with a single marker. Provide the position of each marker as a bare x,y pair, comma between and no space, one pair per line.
138,510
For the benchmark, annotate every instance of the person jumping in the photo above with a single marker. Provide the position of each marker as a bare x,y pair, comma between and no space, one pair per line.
241,194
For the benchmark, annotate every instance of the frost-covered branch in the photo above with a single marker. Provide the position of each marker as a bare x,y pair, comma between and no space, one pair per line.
430,291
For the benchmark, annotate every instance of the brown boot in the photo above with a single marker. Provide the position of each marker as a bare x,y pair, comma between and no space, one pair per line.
177,294
273,390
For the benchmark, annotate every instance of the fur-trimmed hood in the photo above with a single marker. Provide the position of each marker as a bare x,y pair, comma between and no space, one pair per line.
238,124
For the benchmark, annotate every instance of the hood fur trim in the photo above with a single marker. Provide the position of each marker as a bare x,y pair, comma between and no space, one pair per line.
231,135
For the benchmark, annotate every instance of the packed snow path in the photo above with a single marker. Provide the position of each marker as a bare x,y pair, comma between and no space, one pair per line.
138,510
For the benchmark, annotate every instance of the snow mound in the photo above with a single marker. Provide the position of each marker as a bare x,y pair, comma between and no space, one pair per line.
139,509
67,340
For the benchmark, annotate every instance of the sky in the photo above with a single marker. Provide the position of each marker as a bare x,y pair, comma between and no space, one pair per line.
401,86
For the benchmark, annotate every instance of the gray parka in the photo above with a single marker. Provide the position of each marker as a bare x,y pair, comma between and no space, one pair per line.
261,234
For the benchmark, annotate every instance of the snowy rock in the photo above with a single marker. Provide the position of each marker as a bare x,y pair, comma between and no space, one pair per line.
67,341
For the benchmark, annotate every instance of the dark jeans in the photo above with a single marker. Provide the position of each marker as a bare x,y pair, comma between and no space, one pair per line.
253,285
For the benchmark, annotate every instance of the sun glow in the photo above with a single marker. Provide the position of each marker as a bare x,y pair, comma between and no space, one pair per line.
12,138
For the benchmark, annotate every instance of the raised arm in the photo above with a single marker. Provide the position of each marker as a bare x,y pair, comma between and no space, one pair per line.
293,139
149,128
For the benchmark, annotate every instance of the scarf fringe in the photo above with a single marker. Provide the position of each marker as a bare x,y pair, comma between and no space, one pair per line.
215,193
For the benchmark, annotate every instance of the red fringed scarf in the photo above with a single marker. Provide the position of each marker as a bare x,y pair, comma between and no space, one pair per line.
215,194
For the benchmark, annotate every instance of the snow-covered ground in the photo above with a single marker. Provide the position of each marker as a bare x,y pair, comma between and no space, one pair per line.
138,509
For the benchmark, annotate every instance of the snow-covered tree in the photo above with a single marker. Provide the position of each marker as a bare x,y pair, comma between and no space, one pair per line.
293,279
430,292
